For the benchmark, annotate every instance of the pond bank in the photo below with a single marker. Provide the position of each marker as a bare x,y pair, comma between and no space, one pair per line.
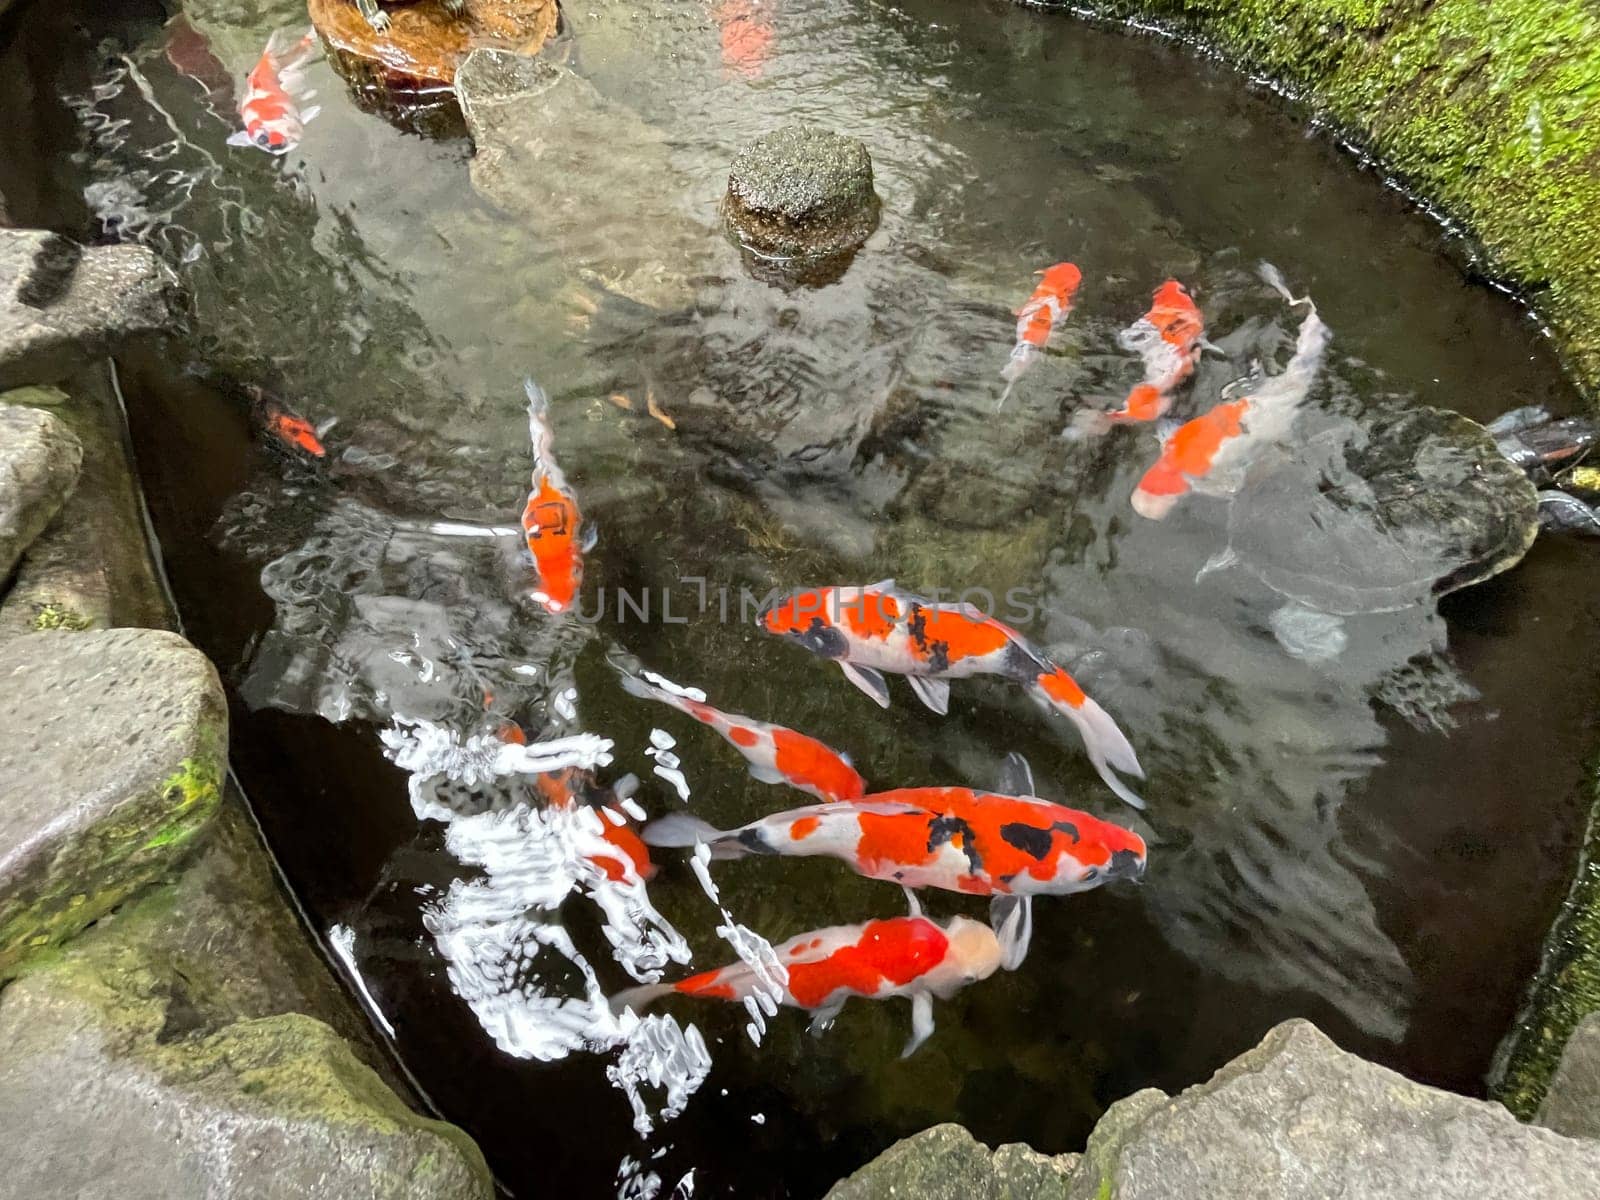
170,1028
1489,113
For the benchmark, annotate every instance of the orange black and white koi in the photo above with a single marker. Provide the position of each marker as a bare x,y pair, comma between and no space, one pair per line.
874,629
912,956
552,525
776,754
952,838
1209,454
1044,310
1168,338
274,92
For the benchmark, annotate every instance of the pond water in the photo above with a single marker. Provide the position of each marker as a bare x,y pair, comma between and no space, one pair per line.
1375,839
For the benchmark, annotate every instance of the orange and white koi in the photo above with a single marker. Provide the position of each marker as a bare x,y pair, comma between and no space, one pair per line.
1209,454
552,526
1168,338
874,629
1045,309
274,91
912,956
776,754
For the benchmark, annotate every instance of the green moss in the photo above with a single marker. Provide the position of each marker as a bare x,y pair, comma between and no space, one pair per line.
1489,111
59,616
1105,1190
1566,989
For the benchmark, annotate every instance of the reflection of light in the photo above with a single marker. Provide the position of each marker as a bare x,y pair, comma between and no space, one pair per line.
343,940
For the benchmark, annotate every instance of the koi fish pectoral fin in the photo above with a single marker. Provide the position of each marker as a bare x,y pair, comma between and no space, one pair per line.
825,1016
912,903
935,693
763,773
590,537
239,138
1011,917
921,1022
868,680
1016,776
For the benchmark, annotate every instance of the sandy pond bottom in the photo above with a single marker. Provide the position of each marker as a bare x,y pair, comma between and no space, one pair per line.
1376,841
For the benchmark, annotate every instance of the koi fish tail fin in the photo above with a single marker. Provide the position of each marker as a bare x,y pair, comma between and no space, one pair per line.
1089,423
1273,278
677,830
538,419
1005,395
1107,747
1021,359
639,998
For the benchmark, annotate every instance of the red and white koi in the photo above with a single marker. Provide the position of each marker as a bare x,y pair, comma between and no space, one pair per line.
286,427
875,629
274,92
776,754
552,525
1168,338
912,956
1209,454
1037,318
954,839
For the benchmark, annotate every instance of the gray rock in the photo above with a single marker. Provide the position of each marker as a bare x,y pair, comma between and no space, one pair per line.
948,1163
551,151
110,763
61,303
802,192
91,568
1299,1118
1572,1103
264,1109
39,461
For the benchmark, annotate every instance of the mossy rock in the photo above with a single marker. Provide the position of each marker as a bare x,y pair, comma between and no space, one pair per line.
110,768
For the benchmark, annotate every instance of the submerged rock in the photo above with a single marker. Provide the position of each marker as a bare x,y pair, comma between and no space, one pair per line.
948,1163
1298,1117
39,462
412,62
110,765
802,192
61,302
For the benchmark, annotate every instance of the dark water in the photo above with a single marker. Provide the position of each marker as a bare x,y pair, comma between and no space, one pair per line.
1376,841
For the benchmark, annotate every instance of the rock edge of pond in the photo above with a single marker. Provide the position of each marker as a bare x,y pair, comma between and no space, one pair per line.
170,1027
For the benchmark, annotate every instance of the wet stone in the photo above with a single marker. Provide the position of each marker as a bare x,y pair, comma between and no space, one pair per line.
410,65
110,767
39,463
948,1163
1298,1117
61,303
1572,1104
802,193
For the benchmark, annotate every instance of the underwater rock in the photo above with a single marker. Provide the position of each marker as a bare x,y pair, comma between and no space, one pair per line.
61,302
412,64
1299,1117
1381,514
802,192
553,152
89,568
1572,1104
948,1163
111,764
39,463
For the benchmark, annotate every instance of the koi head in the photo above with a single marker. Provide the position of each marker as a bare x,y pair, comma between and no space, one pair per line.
973,954
1120,853
1062,280
272,140
1160,489
807,617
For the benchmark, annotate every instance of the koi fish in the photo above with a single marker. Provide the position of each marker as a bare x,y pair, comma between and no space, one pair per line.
776,754
1045,309
875,629
1210,453
956,839
1168,338
274,91
552,526
563,789
746,33
284,425
912,956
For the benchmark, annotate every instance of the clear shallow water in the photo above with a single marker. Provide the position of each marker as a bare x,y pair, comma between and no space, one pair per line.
1376,841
